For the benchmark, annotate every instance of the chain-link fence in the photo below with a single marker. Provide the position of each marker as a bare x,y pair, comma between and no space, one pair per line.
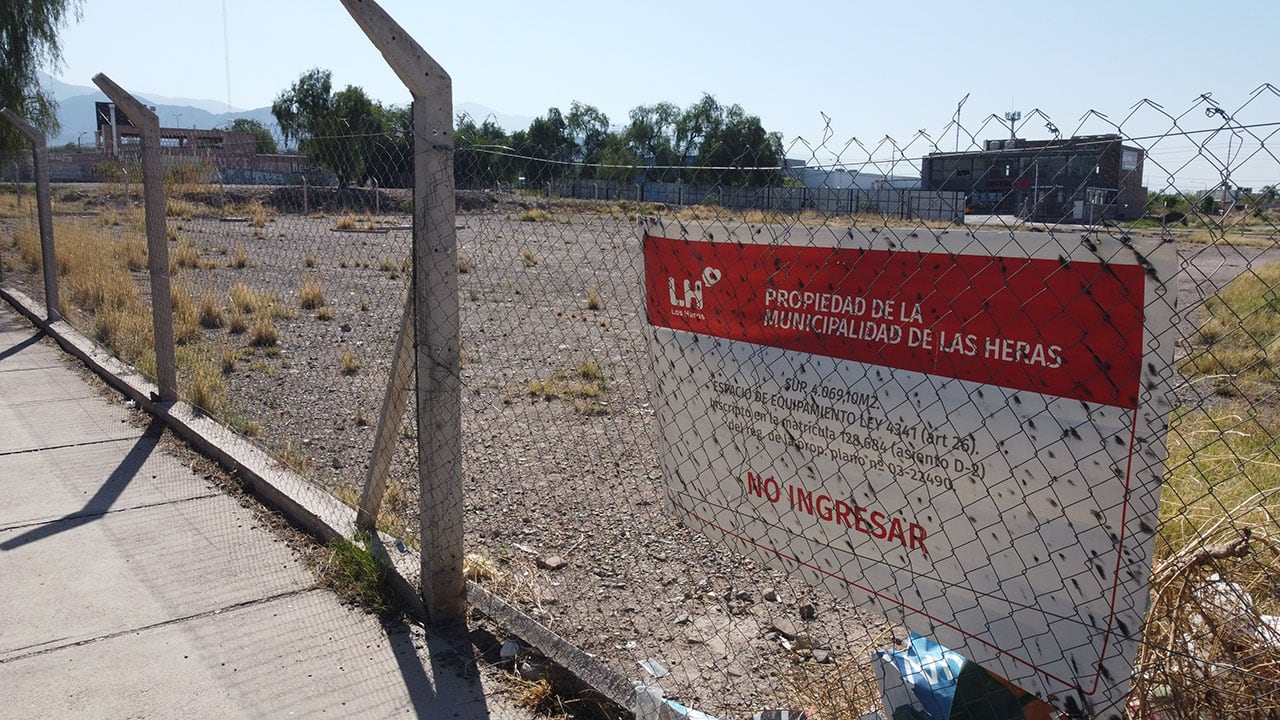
959,426
729,429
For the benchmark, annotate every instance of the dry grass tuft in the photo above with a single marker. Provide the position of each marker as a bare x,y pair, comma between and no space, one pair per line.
840,690
530,260
27,237
346,222
258,215
536,215
208,390
582,387
311,295
210,314
263,332
227,358
535,695
175,207
185,255
186,321
478,568
253,302
349,363
237,322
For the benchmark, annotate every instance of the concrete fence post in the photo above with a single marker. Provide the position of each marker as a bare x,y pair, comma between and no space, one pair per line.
44,212
157,241
384,440
436,320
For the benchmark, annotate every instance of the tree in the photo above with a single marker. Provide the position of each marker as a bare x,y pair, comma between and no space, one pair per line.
300,108
702,120
589,128
354,131
548,146
28,42
263,142
711,135
475,162
390,161
740,141
620,160
651,137
341,132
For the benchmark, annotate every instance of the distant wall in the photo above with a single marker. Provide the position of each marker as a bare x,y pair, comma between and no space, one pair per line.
213,165
905,204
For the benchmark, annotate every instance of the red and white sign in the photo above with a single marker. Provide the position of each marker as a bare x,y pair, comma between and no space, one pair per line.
966,434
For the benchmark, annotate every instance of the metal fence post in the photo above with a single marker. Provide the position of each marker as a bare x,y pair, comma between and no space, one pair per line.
40,161
436,323
157,241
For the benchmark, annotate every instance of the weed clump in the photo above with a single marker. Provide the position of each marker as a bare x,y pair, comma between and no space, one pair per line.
355,574
581,386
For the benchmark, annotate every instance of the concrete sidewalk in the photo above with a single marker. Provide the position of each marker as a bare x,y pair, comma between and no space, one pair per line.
131,587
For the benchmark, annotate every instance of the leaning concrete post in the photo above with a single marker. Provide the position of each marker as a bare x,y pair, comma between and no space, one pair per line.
157,241
40,160
384,442
436,325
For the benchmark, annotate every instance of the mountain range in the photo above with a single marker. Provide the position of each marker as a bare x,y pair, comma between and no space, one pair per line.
76,109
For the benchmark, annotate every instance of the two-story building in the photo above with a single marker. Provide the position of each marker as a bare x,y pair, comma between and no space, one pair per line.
1084,179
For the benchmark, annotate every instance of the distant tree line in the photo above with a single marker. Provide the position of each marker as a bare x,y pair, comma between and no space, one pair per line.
661,143
362,141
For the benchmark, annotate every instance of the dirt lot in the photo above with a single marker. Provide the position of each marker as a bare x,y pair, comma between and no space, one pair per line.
562,493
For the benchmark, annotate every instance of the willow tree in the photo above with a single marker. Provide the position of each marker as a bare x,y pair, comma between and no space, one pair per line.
29,42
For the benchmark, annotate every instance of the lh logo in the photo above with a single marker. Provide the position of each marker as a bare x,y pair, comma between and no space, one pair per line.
692,297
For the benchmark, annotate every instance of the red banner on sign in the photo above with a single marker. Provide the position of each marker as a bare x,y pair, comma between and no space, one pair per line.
1056,327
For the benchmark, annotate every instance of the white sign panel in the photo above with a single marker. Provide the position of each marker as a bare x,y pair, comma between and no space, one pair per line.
967,434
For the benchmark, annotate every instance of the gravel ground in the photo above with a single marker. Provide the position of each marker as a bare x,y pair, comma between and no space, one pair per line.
568,505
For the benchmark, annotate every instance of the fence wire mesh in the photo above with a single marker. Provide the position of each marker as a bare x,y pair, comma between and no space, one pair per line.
590,429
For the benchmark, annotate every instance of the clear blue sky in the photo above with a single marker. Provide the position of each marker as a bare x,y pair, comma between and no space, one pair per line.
877,69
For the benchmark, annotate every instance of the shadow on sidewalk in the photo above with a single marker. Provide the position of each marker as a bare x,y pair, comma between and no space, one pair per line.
450,690
101,502
11,351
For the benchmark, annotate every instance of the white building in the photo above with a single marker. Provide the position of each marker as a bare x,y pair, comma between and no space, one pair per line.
842,177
